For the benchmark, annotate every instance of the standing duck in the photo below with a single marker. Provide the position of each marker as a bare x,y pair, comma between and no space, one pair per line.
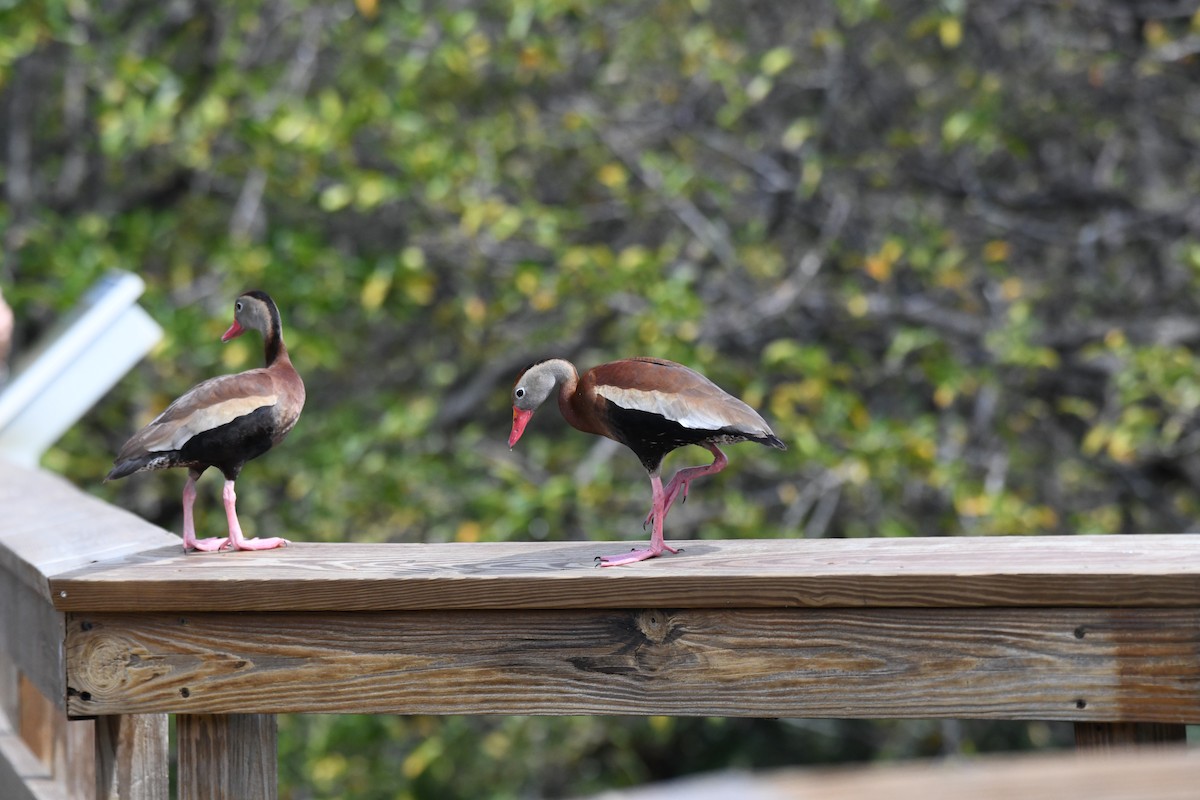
652,407
224,422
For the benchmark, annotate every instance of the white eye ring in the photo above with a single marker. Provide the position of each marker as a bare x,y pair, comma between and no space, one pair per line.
238,306
519,393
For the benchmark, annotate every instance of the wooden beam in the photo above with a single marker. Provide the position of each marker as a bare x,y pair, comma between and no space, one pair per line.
31,636
132,757
1049,571
227,757
40,725
1108,735
1054,664
1145,773
23,776
50,526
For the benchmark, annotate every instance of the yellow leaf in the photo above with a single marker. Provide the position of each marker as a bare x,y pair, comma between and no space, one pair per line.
1155,33
368,8
977,506
371,191
531,57
420,289
996,250
543,300
1094,440
1011,288
612,175
891,250
375,289
878,268
1121,447
776,61
527,283
475,309
944,395
412,258
468,531
336,197
950,32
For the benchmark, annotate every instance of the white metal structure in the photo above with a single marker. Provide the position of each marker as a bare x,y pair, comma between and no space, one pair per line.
74,364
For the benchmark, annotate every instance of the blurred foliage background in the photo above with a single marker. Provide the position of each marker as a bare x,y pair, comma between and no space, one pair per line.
951,251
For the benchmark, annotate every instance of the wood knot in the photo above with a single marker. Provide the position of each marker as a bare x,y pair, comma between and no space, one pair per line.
104,663
656,626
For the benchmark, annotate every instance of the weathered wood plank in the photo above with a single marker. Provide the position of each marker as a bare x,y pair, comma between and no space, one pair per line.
1053,571
76,767
51,526
1108,735
31,636
227,757
1055,664
1145,774
64,748
132,757
40,725
22,775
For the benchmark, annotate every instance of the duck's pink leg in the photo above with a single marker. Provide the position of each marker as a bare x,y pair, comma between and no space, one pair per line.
236,540
658,511
190,542
684,476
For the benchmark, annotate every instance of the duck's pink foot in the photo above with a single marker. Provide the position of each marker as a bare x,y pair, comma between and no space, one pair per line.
209,545
236,540
257,544
635,555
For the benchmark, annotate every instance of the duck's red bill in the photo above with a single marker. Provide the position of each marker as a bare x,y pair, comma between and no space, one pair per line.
520,420
235,330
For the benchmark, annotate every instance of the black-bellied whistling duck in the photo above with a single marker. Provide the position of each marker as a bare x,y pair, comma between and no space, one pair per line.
224,422
652,407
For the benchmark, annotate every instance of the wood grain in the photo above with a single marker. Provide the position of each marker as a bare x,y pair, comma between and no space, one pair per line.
1056,664
86,555
227,757
31,636
132,757
1052,571
49,526
1144,774
1109,735
22,775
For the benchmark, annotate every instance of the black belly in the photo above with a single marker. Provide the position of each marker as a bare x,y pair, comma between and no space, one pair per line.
230,446
651,436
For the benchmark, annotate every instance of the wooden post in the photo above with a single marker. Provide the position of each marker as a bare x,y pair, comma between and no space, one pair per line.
1107,735
227,756
132,757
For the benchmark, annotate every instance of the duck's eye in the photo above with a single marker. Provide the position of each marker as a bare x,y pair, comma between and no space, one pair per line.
519,393
238,306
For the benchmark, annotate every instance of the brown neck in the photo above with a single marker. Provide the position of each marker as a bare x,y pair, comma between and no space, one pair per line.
574,405
273,348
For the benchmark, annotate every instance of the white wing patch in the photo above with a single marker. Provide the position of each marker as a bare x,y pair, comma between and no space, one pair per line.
670,406
175,436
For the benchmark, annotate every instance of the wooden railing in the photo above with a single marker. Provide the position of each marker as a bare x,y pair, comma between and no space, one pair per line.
106,627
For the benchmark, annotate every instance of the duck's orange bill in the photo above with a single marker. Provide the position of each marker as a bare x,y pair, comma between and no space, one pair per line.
520,420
